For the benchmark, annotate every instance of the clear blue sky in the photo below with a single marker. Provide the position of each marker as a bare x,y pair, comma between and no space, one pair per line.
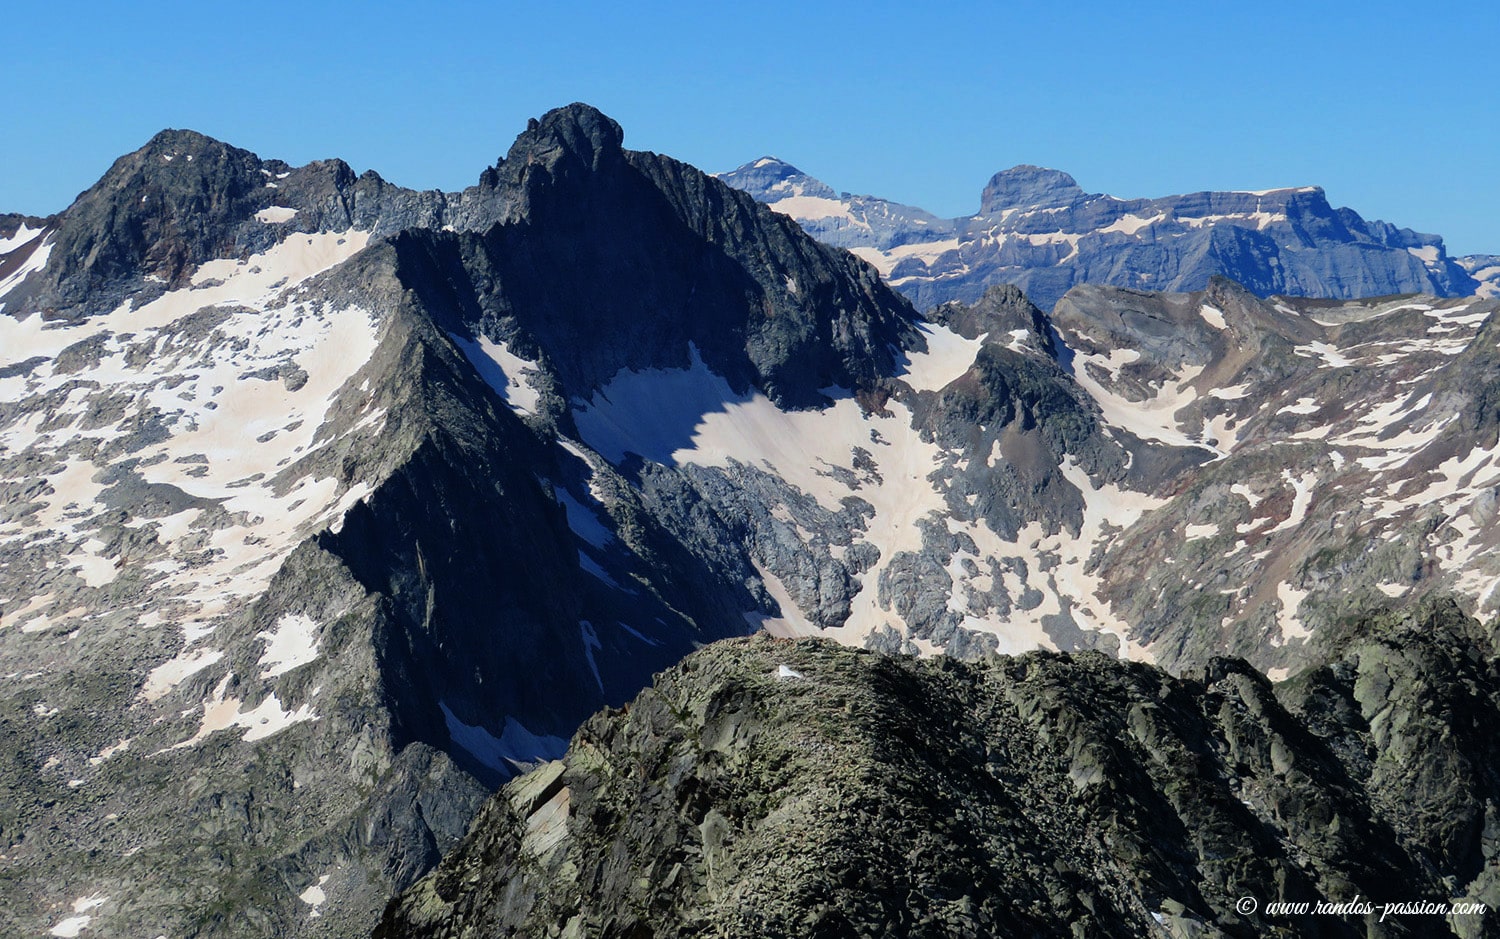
1389,106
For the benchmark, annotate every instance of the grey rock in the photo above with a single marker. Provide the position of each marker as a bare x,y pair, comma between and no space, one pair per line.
1044,794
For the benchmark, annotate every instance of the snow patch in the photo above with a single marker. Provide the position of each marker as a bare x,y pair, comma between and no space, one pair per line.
1152,419
1302,488
171,673
23,234
71,927
291,643
109,751
591,645
314,897
275,214
34,263
1331,356
791,624
816,208
266,719
515,748
1286,617
1248,494
583,521
504,371
1129,224
947,358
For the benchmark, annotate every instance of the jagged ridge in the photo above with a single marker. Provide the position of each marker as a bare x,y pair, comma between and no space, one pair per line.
772,788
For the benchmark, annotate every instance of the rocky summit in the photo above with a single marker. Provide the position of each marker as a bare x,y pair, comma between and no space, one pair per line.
300,555
773,788
1038,229
327,507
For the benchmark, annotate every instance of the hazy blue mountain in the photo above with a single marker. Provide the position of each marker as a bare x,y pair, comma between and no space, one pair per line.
1037,229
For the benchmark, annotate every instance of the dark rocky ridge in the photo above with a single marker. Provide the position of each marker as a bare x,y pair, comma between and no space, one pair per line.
609,260
456,597
1042,795
776,310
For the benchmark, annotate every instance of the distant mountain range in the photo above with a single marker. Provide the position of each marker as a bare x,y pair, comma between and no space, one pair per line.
1037,229
327,506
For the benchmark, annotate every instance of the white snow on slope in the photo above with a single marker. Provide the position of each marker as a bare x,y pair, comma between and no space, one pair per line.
291,643
1152,419
23,234
515,748
583,521
1129,224
314,897
175,671
1330,355
74,925
947,358
222,712
1286,616
815,208
591,645
275,214
690,416
31,265
885,260
201,364
504,371
791,624
1489,281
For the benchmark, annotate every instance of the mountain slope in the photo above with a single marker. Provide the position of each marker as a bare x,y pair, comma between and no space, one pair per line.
284,543
328,505
773,788
1037,229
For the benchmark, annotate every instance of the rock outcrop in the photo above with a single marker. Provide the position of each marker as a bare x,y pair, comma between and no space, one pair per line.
773,788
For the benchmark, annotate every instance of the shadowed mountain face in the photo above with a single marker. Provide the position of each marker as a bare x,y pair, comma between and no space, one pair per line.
1037,229
776,788
328,506
287,545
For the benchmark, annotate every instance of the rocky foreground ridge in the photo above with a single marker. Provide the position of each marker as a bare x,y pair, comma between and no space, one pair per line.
1038,229
775,788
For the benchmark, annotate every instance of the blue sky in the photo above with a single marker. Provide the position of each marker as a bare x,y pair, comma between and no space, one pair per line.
1390,108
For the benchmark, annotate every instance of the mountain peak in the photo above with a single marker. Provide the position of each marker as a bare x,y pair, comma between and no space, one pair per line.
577,128
173,152
771,179
182,139
769,166
1027,186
